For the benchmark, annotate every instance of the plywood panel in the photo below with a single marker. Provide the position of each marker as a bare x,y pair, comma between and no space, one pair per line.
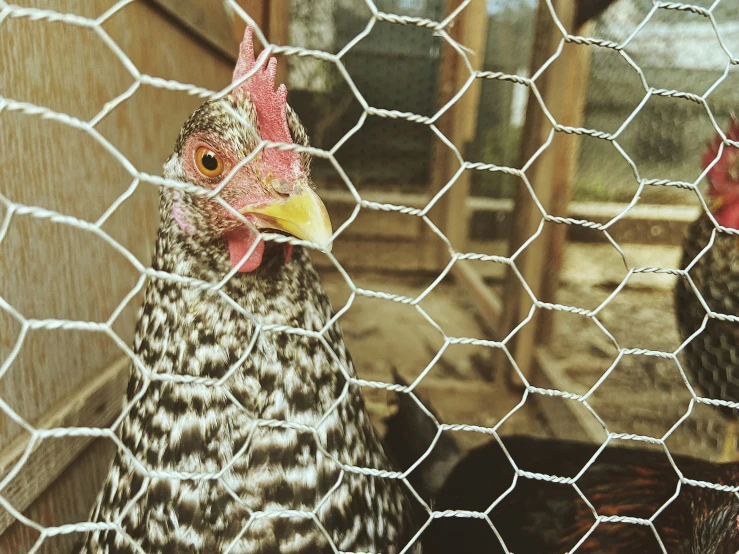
50,270
68,500
95,404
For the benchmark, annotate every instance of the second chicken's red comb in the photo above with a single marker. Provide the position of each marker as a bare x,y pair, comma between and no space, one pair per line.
270,105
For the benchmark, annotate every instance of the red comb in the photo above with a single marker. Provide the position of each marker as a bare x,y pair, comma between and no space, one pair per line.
722,176
271,108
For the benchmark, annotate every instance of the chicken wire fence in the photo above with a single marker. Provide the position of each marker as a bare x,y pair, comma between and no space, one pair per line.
440,26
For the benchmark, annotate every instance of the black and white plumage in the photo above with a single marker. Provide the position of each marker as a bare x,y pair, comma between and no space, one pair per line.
248,439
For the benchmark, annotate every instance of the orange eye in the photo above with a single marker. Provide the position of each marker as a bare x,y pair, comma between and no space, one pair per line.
209,163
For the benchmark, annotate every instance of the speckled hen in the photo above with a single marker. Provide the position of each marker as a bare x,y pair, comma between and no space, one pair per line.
248,437
712,357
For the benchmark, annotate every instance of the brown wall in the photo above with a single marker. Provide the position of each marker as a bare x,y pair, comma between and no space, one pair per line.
51,270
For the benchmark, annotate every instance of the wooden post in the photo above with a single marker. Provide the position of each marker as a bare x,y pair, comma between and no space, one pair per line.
256,10
556,90
458,124
278,31
567,152
273,18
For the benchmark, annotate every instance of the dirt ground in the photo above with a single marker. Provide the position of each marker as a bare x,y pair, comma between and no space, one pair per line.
643,394
463,385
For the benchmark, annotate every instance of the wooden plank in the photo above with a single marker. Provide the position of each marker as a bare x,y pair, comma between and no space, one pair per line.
278,20
653,224
471,32
209,20
458,124
216,24
554,88
95,404
488,303
524,218
257,10
375,224
588,10
410,200
567,151
50,269
278,17
67,500
565,417
380,255
86,278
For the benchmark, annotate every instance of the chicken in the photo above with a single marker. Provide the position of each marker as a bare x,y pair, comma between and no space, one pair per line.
712,358
539,516
544,517
247,435
410,433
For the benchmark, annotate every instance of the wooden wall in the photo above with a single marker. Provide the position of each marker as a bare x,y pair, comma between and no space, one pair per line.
50,270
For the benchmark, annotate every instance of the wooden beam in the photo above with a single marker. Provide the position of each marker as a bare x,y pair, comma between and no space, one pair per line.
96,404
458,124
489,304
381,255
566,419
256,9
555,89
398,243
653,224
472,33
567,152
206,19
278,31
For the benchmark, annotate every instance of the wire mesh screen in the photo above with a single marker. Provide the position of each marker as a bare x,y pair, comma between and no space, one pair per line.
244,427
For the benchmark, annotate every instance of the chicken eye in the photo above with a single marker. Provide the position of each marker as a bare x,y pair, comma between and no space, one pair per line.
208,162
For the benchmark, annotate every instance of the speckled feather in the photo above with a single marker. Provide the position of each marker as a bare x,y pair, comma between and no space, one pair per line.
193,427
711,358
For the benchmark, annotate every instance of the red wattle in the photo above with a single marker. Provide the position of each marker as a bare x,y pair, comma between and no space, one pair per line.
239,242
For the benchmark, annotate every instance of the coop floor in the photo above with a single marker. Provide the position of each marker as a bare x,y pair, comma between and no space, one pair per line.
642,395
463,386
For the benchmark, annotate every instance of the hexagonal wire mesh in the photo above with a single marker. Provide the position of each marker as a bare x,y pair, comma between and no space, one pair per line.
330,157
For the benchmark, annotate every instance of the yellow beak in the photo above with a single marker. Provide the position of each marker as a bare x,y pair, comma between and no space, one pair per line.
301,215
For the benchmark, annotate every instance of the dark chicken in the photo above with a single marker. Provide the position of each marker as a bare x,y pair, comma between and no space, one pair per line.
410,433
539,516
542,517
712,357
247,436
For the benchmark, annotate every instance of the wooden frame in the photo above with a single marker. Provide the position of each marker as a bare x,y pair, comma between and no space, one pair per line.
215,24
94,405
659,224
458,124
531,263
